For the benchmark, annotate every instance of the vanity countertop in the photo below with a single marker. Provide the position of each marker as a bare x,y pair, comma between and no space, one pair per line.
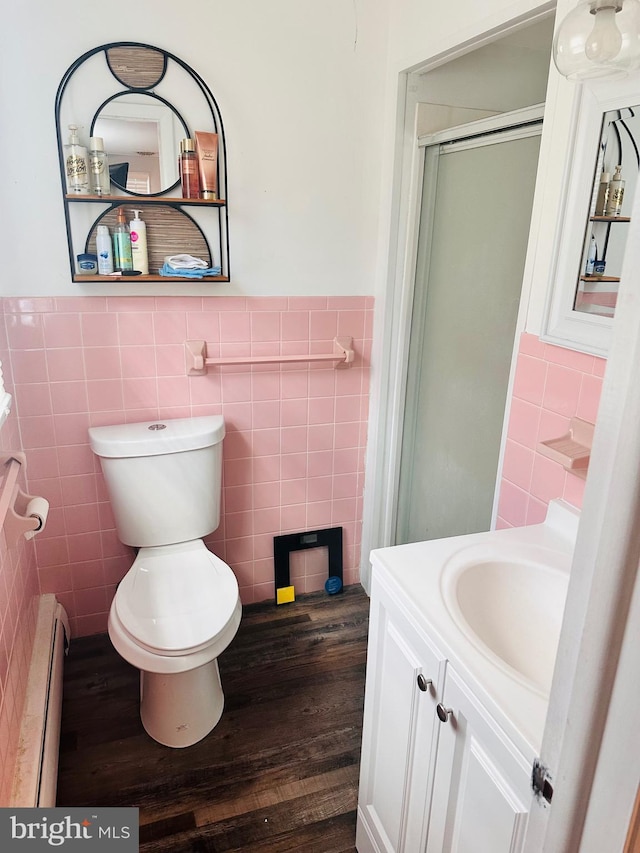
424,576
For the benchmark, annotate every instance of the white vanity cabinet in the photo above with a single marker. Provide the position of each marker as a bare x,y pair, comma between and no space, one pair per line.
431,785
405,673
481,788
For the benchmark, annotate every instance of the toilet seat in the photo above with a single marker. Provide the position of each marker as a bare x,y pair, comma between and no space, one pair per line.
176,599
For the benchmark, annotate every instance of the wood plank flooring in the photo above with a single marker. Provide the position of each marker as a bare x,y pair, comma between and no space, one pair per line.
280,770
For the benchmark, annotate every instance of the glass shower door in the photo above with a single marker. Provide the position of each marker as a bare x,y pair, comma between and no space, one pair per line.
476,212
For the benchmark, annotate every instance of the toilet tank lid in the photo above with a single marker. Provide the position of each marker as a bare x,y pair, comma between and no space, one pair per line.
154,438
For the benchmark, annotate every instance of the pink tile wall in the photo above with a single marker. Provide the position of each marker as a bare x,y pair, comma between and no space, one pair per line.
552,384
296,434
18,590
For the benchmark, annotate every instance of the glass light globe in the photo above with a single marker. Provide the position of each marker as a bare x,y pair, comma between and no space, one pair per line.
599,38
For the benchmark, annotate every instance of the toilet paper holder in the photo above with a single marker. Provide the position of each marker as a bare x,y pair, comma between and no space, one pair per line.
20,514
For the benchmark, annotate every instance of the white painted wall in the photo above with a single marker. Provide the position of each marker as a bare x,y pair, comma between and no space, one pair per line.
424,35
309,96
300,85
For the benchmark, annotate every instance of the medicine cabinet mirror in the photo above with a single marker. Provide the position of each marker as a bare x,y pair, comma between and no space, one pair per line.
592,228
142,101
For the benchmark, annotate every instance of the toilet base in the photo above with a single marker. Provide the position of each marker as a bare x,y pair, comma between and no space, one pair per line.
178,709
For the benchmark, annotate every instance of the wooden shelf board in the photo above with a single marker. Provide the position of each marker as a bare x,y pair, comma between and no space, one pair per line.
132,200
610,218
138,279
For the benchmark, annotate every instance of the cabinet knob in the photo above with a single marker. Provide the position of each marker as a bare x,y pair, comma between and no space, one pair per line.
424,683
443,713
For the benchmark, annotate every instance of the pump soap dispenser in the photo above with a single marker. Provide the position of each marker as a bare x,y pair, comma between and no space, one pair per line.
76,164
139,253
616,193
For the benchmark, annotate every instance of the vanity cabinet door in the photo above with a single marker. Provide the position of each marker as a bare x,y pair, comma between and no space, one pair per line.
481,787
399,732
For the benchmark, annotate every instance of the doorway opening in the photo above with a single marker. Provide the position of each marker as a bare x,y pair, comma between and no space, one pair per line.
502,72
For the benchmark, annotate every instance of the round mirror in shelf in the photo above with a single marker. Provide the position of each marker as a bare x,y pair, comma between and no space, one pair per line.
141,134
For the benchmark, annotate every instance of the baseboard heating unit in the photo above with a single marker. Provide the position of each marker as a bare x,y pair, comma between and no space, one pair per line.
36,773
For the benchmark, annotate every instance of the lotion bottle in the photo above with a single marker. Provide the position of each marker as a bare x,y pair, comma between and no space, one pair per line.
76,164
616,193
99,181
122,243
138,231
104,250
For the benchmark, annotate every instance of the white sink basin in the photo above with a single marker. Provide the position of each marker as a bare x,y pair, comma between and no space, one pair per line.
509,602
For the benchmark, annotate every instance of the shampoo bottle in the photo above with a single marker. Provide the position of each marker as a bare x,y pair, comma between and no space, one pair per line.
122,243
104,250
99,181
616,193
76,164
138,231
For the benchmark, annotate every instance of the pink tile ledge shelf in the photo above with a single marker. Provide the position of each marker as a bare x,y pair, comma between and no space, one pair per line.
573,449
197,361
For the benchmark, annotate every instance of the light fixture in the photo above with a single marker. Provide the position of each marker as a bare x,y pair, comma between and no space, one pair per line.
599,38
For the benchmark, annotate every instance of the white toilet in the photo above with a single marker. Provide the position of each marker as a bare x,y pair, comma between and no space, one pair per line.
178,606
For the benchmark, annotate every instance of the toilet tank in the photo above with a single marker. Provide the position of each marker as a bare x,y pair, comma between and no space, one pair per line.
163,478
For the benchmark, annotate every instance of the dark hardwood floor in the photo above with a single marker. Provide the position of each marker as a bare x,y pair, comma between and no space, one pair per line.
280,770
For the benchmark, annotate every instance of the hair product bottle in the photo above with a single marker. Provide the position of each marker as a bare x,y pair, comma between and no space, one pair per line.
99,181
122,243
188,164
104,250
603,194
138,231
76,164
616,193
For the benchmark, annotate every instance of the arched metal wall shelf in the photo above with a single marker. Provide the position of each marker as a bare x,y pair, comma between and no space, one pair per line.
143,73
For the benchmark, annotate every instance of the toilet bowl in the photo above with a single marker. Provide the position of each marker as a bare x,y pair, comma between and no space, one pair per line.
178,607
174,637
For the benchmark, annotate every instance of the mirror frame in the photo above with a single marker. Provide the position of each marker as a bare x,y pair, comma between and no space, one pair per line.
562,325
